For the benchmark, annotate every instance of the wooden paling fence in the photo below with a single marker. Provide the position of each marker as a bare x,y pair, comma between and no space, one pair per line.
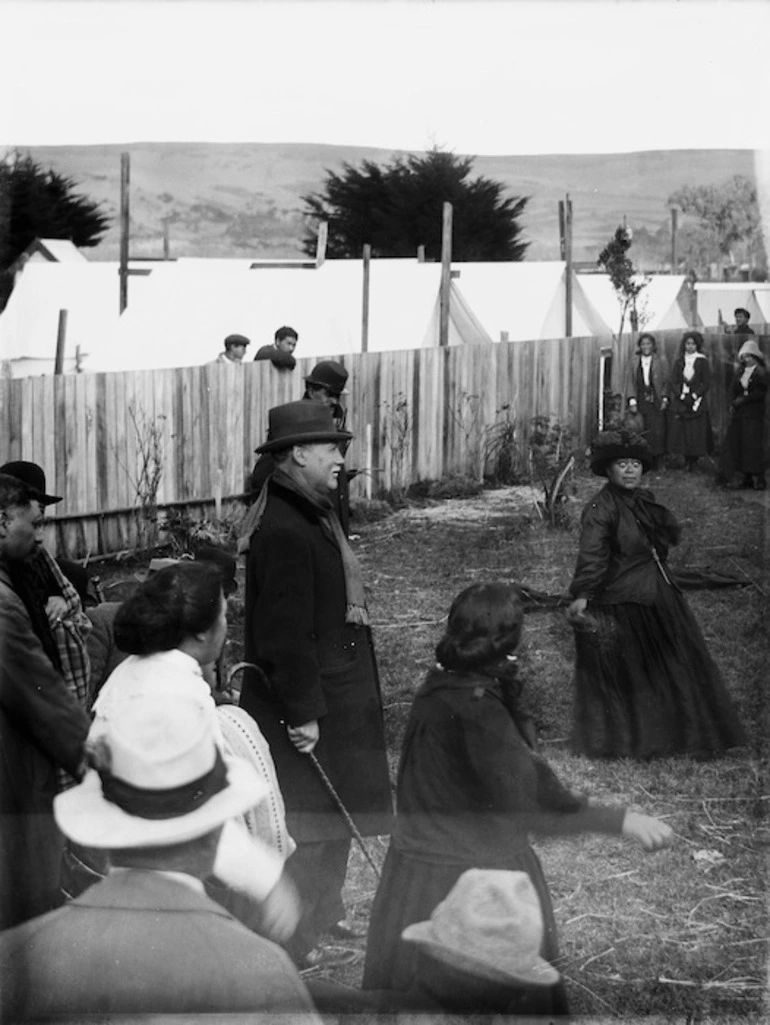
416,415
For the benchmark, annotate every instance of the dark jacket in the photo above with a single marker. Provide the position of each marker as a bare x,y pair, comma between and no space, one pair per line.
281,360
470,786
658,379
745,448
749,404
318,667
42,726
139,942
699,386
615,559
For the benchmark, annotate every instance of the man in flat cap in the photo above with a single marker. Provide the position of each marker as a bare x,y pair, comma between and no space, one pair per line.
234,351
306,628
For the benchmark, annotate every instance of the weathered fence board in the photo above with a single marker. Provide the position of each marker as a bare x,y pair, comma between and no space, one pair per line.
430,412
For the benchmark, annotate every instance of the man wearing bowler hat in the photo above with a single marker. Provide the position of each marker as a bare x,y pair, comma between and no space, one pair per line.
146,939
307,630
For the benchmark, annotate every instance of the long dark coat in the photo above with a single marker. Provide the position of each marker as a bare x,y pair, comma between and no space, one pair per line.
689,432
745,434
42,726
318,667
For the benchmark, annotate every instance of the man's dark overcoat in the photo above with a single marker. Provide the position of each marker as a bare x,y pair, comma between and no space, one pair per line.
318,667
42,726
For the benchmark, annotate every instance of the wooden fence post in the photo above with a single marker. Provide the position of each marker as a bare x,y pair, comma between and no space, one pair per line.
568,267
446,275
61,338
365,302
125,175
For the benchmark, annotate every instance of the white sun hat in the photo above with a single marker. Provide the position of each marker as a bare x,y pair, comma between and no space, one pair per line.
159,777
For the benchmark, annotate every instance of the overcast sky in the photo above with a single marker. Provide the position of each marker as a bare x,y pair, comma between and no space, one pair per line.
506,77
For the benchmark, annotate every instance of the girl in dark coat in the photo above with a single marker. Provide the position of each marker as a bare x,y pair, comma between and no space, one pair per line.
647,392
745,433
689,424
645,684
471,787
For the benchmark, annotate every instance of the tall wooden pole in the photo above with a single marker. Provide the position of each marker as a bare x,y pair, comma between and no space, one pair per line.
562,246
125,176
166,240
61,338
365,302
568,267
674,220
320,243
446,275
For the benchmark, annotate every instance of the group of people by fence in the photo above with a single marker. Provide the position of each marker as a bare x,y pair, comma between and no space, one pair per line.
207,844
670,406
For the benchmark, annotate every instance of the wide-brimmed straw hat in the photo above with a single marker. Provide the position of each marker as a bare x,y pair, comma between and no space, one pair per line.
608,446
751,348
301,423
330,375
33,476
490,925
159,777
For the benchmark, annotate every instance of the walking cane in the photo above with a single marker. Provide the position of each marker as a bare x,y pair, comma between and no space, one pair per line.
328,785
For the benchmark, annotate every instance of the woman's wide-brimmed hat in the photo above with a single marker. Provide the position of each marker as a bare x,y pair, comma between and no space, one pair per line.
490,925
330,375
608,446
33,476
750,348
159,777
301,423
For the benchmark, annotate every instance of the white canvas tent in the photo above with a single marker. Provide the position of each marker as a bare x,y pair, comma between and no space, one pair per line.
521,301
29,324
664,304
722,297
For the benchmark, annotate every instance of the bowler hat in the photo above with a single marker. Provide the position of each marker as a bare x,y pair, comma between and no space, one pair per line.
750,348
300,423
608,446
159,777
330,375
490,925
33,476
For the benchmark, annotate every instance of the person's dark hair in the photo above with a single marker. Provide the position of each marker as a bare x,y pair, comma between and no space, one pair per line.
642,337
484,624
286,332
741,309
696,336
14,492
172,604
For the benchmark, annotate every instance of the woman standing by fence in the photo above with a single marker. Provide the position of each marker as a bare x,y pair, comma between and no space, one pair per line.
689,424
744,444
647,393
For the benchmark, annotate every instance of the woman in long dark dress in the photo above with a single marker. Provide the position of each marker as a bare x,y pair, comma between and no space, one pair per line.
471,787
689,423
647,392
645,684
746,430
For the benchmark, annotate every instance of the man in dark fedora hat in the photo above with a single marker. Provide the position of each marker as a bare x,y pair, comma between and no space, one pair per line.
325,384
306,628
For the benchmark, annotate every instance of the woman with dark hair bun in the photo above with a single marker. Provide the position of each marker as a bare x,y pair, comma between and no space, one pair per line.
471,787
689,424
647,392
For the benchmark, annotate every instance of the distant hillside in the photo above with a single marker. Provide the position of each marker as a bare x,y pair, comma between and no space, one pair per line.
244,200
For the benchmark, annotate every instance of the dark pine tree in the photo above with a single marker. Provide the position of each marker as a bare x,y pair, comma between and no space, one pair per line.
396,207
38,202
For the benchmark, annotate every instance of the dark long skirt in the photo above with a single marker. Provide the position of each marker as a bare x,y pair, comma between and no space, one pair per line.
745,445
646,686
690,435
654,426
408,892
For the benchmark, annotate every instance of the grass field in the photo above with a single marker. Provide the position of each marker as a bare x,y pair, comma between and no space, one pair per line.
679,935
